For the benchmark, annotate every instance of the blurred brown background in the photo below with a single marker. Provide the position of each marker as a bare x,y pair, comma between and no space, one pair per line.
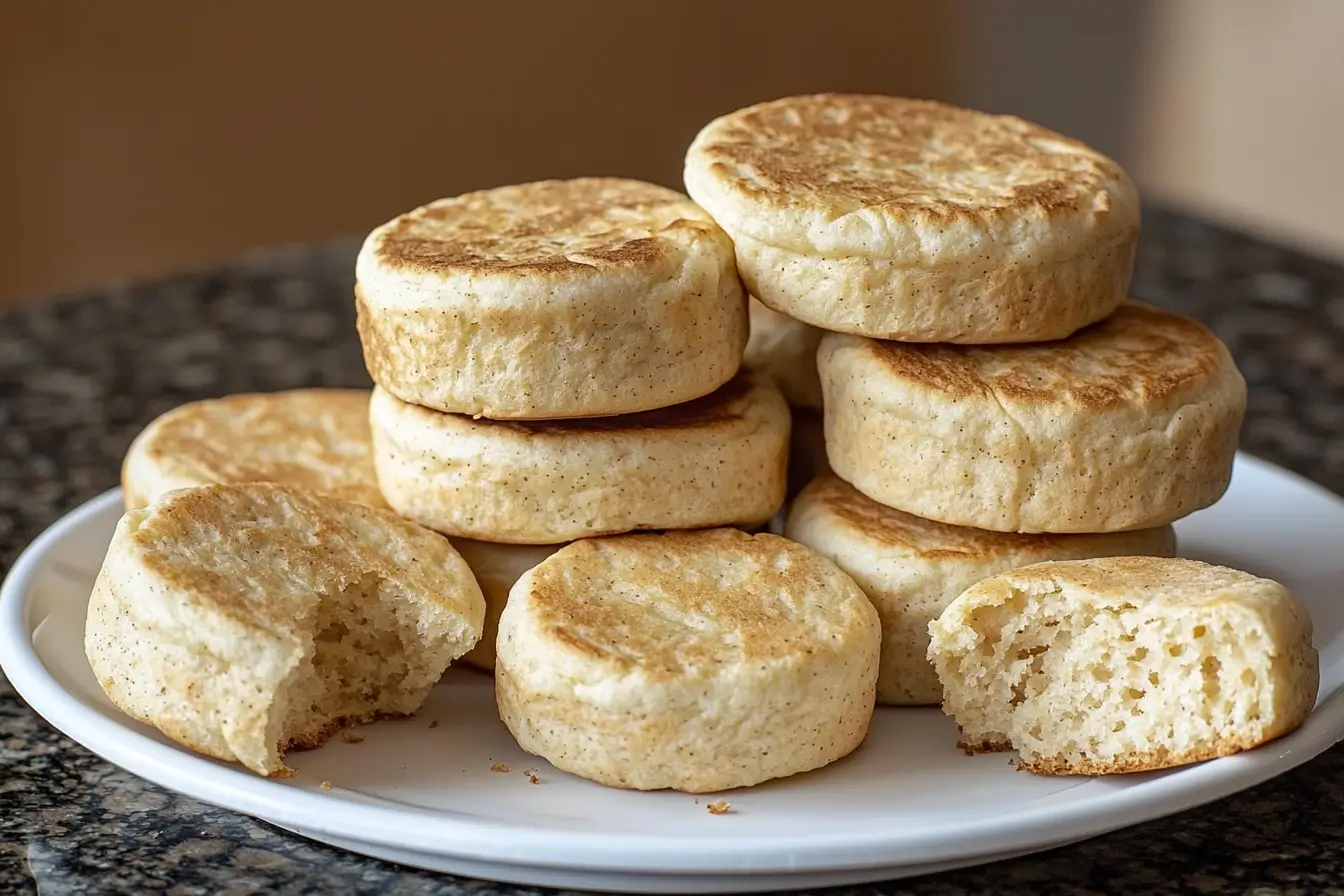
148,136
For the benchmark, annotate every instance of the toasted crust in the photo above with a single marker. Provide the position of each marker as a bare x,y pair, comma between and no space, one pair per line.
698,661
1129,424
506,303
1152,760
912,568
311,438
1200,661
719,460
1139,355
914,220
785,350
544,229
861,175
213,604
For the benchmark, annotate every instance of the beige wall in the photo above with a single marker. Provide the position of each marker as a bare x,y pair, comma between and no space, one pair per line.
1241,114
146,135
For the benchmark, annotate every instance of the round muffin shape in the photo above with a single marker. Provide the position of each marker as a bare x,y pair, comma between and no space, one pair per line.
1129,424
785,350
696,661
912,568
243,620
316,439
575,298
1124,664
496,567
718,460
914,220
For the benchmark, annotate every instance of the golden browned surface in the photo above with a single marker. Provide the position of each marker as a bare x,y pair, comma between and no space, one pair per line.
551,300
850,152
674,603
699,661
916,221
1139,354
579,226
316,439
1150,761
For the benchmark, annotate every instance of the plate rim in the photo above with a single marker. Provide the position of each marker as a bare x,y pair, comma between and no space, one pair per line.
717,852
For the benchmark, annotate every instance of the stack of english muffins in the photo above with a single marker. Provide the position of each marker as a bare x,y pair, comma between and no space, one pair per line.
912,319
991,396
560,360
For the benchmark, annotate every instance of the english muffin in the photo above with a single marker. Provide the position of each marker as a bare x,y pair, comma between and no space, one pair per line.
695,661
574,298
718,460
1128,424
785,350
496,567
913,220
912,568
245,620
316,439
1124,664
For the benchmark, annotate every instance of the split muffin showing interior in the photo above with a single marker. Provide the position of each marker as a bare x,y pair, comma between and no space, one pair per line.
912,568
1124,664
696,661
245,620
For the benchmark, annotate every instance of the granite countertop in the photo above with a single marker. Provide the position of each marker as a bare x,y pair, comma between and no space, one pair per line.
80,375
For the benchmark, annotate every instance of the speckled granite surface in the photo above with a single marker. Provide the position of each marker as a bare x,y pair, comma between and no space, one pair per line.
80,376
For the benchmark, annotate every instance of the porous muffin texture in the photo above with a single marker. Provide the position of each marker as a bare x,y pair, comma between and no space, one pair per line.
912,568
696,661
719,460
245,620
918,221
316,439
1124,664
574,298
1130,423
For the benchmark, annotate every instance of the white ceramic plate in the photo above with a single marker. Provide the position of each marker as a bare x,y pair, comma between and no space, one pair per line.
908,802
